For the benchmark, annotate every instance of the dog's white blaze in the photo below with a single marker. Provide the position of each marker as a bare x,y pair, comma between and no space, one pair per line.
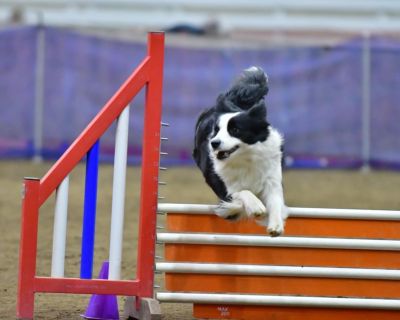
227,141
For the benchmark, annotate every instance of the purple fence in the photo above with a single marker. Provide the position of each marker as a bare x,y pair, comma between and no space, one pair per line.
316,95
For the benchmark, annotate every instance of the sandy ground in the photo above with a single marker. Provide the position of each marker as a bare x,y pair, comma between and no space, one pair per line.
302,188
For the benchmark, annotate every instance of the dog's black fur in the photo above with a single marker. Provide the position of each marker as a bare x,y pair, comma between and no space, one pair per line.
247,93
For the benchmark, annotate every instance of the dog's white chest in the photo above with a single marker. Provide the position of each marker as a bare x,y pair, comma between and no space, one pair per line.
245,172
243,178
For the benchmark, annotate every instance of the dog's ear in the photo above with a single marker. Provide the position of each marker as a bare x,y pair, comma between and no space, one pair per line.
258,110
225,105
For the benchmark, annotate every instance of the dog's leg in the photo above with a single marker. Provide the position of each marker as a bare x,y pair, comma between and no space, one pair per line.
253,207
230,210
275,203
276,208
243,204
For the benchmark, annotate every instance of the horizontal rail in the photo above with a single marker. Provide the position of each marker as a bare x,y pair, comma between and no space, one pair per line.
289,301
265,241
86,286
328,213
282,271
260,15
356,214
186,208
236,6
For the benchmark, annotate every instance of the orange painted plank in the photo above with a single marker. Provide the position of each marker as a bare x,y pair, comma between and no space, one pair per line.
289,313
294,226
282,285
285,256
282,256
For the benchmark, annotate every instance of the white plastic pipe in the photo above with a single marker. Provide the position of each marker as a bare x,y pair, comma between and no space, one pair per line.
328,213
292,242
186,208
355,214
277,271
264,300
118,195
60,230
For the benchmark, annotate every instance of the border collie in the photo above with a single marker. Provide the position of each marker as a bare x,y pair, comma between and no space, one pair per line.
240,154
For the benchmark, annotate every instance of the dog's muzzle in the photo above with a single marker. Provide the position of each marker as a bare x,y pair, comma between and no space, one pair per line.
222,155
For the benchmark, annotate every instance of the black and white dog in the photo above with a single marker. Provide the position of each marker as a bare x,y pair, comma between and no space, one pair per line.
240,154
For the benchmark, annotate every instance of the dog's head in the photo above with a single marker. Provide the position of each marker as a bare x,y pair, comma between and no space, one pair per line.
241,115
238,130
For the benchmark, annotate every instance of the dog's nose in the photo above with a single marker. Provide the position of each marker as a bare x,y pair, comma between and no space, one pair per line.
215,144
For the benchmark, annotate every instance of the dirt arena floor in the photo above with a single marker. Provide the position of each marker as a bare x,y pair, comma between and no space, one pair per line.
302,188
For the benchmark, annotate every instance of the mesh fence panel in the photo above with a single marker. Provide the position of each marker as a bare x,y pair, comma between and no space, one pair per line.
315,96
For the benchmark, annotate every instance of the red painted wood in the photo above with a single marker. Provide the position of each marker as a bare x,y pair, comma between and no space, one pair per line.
150,167
94,130
88,286
28,248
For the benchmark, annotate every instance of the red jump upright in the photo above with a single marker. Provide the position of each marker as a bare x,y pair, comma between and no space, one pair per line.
149,74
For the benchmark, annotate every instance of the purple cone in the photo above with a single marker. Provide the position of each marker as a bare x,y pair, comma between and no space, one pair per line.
104,307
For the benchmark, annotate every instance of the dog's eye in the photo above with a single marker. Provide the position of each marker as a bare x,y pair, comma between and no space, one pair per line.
235,130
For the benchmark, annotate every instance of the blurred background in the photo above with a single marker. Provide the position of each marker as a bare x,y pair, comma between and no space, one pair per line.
334,77
333,67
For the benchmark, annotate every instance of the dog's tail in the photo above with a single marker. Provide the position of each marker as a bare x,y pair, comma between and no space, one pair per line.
249,88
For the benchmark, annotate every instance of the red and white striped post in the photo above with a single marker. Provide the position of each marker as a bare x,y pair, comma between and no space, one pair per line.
36,192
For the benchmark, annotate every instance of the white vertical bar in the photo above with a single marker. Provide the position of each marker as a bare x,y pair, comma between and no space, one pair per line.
39,95
60,229
366,101
118,196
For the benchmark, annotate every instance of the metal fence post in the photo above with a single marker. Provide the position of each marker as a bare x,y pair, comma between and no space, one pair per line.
39,93
366,102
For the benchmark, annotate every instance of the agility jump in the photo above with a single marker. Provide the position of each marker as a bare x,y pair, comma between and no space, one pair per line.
36,191
330,263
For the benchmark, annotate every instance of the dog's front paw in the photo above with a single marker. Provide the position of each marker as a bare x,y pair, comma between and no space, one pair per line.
256,210
229,210
253,206
275,227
